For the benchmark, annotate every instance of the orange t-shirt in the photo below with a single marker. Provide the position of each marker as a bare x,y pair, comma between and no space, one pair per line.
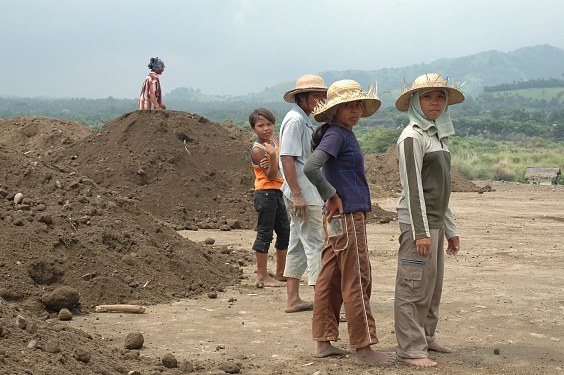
261,180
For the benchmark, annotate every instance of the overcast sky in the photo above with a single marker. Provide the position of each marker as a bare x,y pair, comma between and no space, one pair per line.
101,48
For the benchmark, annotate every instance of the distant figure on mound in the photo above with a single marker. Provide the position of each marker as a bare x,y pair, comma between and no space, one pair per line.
151,94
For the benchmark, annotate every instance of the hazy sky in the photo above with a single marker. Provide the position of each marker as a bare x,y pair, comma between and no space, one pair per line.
101,48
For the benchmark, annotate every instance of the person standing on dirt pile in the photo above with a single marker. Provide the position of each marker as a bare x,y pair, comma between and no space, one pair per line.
301,197
424,215
336,168
151,93
268,200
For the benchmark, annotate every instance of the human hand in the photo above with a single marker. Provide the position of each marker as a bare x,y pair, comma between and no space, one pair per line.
424,246
269,148
453,245
300,206
333,206
265,163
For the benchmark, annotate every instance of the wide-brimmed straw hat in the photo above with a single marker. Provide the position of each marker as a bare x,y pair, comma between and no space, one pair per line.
307,83
345,91
429,81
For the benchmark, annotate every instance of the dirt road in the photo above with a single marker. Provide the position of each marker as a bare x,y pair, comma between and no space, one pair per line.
502,308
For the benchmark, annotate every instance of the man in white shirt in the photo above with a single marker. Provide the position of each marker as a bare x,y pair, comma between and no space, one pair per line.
303,202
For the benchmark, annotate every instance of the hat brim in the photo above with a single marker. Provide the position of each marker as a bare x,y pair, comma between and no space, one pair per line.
369,107
454,96
290,96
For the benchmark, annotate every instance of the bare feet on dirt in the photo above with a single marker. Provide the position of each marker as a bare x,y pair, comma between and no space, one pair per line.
420,362
269,282
370,357
436,347
325,349
299,306
281,278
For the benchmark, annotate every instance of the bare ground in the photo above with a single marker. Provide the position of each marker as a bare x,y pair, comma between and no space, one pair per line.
502,309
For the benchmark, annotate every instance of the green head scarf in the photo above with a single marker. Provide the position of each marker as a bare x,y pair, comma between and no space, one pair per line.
443,124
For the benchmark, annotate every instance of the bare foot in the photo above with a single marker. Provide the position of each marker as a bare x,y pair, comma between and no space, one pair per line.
420,362
278,277
436,347
370,357
268,281
325,349
299,306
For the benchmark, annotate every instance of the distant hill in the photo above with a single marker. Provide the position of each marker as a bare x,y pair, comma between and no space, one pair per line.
477,71
505,84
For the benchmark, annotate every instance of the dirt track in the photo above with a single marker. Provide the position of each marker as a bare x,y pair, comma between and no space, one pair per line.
503,293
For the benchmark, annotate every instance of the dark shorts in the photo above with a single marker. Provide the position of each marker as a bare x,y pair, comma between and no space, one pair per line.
272,217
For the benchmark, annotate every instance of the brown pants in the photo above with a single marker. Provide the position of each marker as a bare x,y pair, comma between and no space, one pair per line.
419,284
345,277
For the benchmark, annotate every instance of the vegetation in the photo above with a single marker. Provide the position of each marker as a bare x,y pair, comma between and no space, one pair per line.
501,128
482,159
529,84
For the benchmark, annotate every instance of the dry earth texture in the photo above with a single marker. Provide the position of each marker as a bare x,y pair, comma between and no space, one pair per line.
502,309
90,218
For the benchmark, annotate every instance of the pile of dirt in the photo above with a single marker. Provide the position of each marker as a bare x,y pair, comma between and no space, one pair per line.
97,213
382,173
67,241
182,168
58,227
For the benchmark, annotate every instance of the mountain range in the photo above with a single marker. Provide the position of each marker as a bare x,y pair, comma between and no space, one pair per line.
474,71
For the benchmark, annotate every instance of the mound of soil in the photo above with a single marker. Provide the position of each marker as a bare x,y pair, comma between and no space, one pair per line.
382,173
58,227
182,168
98,212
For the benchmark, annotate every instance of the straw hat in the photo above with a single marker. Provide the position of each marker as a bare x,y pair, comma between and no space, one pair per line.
307,83
429,81
345,91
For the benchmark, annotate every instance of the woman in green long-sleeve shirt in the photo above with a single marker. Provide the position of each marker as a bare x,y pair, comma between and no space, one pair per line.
424,216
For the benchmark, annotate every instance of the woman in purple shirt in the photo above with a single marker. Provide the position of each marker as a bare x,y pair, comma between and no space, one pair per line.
336,168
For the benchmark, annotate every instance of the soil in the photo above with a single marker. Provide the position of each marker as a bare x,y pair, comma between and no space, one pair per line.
155,210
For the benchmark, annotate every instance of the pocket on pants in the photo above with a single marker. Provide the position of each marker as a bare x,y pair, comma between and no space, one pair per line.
409,278
261,201
339,243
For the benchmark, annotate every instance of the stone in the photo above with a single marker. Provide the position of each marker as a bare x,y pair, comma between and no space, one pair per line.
134,340
169,361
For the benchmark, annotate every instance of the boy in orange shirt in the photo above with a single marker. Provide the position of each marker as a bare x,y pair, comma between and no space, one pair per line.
268,200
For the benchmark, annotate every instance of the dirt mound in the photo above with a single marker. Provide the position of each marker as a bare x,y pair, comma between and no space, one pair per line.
382,173
182,168
41,135
98,212
58,227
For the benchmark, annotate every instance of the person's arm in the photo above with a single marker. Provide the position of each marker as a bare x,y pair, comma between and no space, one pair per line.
312,170
154,101
410,155
291,177
267,160
451,233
